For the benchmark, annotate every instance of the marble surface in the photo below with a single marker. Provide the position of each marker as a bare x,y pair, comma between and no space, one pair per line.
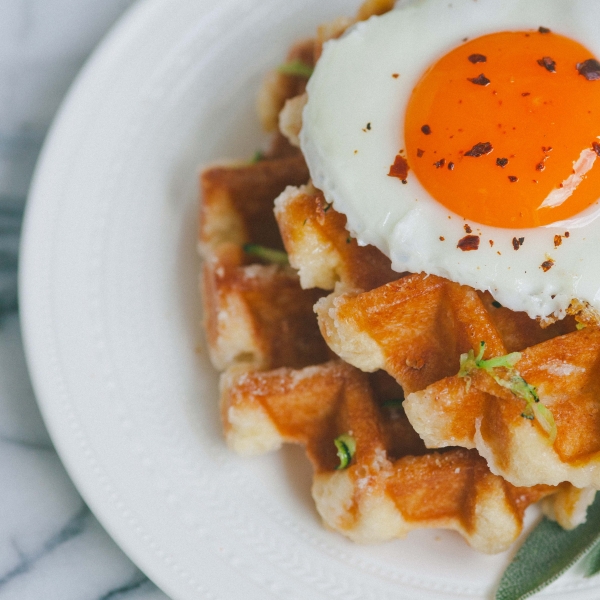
51,546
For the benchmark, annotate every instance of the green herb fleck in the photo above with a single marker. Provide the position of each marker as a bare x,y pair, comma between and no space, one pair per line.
394,403
496,304
548,552
269,255
511,380
327,206
346,447
257,157
580,326
349,239
297,68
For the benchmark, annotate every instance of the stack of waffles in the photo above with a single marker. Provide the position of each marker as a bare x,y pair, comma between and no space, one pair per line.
321,343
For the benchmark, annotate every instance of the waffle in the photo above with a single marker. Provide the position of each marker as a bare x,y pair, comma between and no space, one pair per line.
258,315
279,383
320,248
565,372
277,386
416,328
393,484
237,199
255,314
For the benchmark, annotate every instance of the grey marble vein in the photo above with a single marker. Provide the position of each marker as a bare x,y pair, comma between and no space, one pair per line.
125,591
27,562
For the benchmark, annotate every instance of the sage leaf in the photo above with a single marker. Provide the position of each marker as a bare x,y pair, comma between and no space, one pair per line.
546,554
592,566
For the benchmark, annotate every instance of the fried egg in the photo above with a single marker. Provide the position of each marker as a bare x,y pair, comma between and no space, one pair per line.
462,139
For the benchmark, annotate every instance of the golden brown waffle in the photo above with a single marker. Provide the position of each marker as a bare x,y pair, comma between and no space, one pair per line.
257,314
416,328
257,317
237,200
254,314
483,415
392,485
320,248
277,387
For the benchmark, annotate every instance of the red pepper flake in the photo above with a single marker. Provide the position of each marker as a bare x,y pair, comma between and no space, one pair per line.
513,178
548,64
399,169
426,129
502,162
590,69
477,58
468,243
517,242
480,80
547,265
491,243
540,166
567,234
544,30
442,239
596,148
557,240
420,152
395,75
479,149
440,163
468,229
450,166
525,94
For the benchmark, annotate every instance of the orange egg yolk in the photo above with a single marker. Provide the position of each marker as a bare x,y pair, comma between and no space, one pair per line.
504,130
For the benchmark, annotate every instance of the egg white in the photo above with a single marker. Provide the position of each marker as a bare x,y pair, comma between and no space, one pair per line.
353,85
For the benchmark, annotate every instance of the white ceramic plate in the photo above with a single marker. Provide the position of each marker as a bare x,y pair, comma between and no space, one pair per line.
111,321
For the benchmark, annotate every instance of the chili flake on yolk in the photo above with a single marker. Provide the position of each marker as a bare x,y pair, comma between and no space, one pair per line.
523,146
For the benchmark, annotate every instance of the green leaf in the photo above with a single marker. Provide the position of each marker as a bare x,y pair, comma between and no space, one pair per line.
511,380
546,554
592,566
508,361
296,68
270,255
346,447
257,157
393,403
